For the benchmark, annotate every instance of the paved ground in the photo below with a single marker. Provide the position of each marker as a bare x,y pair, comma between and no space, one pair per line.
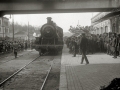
75,76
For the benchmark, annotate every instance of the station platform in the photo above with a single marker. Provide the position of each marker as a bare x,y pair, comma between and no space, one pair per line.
100,71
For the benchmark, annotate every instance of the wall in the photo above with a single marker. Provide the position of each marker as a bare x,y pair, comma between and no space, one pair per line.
102,27
4,27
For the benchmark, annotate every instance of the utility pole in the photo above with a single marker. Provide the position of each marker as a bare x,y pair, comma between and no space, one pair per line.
13,26
28,30
28,33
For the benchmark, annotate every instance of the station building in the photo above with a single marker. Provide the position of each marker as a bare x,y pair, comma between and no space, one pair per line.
4,27
105,22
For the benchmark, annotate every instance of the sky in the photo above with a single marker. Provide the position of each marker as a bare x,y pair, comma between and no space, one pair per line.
64,20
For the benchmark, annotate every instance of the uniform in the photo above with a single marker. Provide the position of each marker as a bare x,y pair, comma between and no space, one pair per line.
15,47
75,48
114,46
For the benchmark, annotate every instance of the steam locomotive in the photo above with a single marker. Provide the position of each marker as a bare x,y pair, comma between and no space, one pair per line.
51,39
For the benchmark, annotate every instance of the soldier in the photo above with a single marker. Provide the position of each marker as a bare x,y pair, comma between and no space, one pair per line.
114,45
15,47
100,43
1,46
75,47
106,43
118,44
26,45
90,45
94,43
83,47
109,45
70,45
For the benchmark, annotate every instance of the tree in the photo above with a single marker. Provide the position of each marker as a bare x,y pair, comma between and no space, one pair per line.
80,29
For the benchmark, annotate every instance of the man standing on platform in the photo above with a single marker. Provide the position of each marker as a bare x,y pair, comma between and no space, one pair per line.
83,47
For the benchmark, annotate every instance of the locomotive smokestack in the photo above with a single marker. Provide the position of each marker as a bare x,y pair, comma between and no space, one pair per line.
49,20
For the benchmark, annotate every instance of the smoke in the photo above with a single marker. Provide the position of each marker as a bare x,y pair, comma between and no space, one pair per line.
34,34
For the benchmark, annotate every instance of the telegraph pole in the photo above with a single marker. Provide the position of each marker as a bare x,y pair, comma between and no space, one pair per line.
28,33
28,30
13,26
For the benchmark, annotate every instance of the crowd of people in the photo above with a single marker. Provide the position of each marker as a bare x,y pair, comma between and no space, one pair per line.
106,43
8,46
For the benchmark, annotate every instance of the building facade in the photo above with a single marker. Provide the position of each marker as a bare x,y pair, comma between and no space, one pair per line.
109,24
115,24
4,27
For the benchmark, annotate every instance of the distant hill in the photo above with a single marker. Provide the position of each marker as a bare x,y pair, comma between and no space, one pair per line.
67,34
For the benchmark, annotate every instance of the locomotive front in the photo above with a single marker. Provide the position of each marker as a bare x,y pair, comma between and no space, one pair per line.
48,30
50,40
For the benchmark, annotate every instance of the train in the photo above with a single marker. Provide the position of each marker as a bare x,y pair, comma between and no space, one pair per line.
51,38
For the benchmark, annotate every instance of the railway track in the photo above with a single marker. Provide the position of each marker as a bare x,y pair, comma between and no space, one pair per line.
43,81
8,78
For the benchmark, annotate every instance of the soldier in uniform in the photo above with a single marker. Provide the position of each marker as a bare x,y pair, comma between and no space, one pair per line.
83,47
98,42
105,42
114,45
75,47
94,43
1,46
70,45
90,45
118,44
15,47
109,43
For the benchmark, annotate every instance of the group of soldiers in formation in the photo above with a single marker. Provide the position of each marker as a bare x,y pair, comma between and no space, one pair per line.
9,46
108,43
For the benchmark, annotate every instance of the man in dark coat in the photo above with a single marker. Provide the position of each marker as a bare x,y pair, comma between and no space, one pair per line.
83,47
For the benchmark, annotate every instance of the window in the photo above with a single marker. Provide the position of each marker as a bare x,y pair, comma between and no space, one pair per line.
106,29
6,30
